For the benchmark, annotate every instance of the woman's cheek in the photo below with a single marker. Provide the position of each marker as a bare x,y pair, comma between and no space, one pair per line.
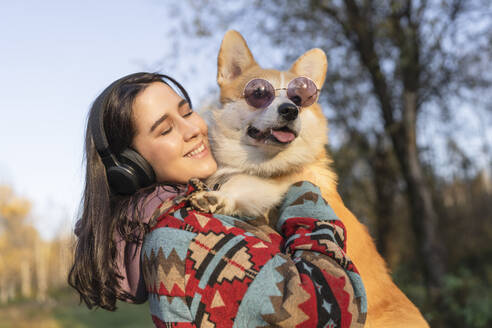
200,122
166,151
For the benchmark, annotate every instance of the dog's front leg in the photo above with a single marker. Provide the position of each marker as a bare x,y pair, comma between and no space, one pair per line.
251,195
242,195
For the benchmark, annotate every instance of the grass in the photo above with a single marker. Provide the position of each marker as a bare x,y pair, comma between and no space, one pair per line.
63,310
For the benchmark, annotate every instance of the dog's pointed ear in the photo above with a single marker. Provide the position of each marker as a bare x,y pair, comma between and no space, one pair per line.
234,57
312,64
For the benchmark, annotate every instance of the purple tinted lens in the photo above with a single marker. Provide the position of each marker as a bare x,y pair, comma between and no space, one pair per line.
259,93
302,91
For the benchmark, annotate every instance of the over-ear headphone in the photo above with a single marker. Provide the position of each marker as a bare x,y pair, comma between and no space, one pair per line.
127,171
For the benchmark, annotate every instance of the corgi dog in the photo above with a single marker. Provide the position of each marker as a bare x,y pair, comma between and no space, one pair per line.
271,133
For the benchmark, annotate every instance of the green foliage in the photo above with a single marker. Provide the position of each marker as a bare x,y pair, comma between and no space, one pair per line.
466,295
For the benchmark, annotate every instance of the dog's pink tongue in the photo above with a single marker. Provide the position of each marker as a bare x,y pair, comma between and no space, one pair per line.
283,136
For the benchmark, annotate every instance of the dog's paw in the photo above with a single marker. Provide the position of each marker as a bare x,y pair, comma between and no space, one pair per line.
208,201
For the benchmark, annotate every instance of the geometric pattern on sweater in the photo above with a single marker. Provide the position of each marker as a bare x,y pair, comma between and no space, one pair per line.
163,267
325,234
267,290
204,270
338,273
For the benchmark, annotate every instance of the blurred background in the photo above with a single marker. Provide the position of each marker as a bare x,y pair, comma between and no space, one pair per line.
407,96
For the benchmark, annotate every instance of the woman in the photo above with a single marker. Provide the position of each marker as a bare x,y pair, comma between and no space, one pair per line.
139,239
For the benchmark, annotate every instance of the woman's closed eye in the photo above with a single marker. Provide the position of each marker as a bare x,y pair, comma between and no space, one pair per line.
168,126
188,113
185,110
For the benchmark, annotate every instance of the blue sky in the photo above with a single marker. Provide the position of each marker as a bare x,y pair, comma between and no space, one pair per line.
55,57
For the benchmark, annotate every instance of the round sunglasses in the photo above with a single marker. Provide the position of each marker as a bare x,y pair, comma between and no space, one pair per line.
260,93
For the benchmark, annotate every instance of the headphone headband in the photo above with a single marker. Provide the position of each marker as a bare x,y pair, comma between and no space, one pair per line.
135,167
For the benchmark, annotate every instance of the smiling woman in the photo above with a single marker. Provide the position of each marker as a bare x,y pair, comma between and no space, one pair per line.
143,143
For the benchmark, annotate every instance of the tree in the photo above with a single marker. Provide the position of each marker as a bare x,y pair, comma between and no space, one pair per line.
16,237
24,257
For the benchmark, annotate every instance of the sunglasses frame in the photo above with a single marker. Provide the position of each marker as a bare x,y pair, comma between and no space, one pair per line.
277,89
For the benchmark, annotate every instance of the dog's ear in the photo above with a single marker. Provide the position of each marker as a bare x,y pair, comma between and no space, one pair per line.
312,64
234,57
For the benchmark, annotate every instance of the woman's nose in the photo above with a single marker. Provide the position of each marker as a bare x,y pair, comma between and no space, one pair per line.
189,129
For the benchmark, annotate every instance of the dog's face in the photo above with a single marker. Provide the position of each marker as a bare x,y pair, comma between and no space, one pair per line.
273,137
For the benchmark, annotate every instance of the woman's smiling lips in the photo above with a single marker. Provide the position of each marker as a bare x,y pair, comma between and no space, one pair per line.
198,152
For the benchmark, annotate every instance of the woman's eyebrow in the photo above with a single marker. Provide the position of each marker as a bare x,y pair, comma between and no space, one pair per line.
159,121
182,102
163,117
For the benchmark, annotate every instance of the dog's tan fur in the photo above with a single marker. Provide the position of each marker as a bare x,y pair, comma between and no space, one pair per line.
253,178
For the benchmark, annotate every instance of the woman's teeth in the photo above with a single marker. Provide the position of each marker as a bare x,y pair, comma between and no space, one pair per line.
196,151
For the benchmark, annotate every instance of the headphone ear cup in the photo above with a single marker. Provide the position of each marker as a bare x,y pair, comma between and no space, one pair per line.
142,169
122,179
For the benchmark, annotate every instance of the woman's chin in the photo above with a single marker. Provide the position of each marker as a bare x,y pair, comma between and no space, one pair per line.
207,169
202,171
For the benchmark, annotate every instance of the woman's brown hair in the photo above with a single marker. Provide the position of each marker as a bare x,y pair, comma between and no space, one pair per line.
94,271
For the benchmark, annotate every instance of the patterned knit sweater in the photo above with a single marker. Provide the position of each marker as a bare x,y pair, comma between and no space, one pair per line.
204,270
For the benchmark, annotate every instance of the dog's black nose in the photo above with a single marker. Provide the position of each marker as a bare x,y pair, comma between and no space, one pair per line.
288,111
